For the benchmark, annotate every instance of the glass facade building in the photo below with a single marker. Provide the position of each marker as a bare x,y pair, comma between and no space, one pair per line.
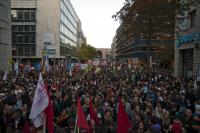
35,27
68,27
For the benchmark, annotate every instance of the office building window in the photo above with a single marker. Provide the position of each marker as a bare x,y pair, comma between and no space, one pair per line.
32,51
20,28
23,39
19,15
32,28
26,51
14,39
32,39
20,51
26,28
23,28
20,39
69,12
14,14
14,51
26,15
32,15
23,15
26,39
14,28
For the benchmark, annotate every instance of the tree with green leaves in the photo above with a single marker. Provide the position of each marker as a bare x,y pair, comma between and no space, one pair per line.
86,52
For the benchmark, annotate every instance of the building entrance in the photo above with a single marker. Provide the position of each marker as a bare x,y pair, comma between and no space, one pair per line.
187,62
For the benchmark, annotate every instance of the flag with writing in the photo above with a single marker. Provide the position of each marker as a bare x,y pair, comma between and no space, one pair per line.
123,123
40,103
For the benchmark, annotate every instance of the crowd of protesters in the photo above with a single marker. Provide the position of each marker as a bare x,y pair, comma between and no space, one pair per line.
155,101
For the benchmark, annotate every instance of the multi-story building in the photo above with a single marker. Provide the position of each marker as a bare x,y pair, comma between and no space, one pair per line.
137,46
124,47
81,38
113,48
38,25
187,46
5,34
150,30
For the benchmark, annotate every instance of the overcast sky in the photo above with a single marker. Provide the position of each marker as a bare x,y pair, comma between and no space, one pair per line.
97,23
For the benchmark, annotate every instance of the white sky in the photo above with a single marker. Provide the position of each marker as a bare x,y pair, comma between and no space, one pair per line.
97,23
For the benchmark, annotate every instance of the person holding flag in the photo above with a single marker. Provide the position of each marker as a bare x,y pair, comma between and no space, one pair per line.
94,120
93,114
39,110
81,122
123,123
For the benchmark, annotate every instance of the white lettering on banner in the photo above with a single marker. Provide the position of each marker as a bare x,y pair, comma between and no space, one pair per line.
41,92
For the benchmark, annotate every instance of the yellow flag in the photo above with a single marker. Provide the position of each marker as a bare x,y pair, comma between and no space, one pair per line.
98,70
10,61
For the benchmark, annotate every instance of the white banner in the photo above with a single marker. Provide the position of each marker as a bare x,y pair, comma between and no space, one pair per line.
40,103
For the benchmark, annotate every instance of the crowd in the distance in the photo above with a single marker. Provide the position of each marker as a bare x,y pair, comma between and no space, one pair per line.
155,101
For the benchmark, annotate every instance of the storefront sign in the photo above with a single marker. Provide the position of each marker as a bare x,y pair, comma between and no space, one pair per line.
187,38
51,51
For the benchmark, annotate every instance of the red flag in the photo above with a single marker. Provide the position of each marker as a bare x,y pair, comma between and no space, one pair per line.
28,129
123,123
81,119
50,116
93,114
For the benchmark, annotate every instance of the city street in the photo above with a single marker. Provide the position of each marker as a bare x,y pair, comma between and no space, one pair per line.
99,66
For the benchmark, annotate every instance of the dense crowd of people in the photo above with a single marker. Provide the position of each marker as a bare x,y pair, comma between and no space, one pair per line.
155,101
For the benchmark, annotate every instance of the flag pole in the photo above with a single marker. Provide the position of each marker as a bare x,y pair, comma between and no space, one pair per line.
75,125
44,124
